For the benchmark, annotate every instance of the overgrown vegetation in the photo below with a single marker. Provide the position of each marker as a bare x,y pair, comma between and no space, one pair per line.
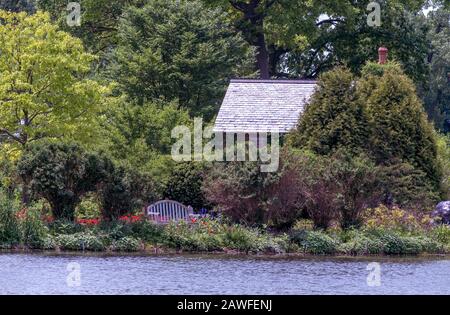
86,115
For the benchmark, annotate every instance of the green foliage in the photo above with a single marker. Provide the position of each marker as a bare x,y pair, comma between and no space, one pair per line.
185,183
407,186
147,231
88,208
441,234
315,242
378,114
62,174
305,38
124,191
64,226
183,52
362,245
399,126
335,118
443,145
240,191
44,90
80,242
140,136
99,19
126,244
34,230
18,5
10,233
335,188
435,90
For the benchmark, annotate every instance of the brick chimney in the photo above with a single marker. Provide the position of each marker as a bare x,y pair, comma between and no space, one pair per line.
382,55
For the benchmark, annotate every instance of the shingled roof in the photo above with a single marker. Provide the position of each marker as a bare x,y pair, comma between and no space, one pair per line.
263,105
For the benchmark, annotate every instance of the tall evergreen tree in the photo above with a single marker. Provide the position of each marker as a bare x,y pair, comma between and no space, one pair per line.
181,52
335,118
398,122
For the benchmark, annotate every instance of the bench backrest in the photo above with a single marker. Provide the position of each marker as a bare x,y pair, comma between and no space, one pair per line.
168,210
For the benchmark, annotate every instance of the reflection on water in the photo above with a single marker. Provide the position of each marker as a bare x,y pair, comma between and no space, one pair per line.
200,274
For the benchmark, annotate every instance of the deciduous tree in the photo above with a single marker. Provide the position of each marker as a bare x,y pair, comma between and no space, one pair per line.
45,91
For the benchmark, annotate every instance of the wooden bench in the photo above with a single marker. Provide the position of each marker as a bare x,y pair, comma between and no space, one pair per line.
165,211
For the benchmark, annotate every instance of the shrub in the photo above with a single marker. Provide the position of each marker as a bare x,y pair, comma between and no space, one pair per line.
65,227
246,195
360,244
406,186
185,183
396,219
441,234
240,191
115,230
126,244
33,230
314,242
61,173
443,143
147,231
178,236
80,241
88,208
240,238
334,118
394,244
124,191
378,114
338,187
9,224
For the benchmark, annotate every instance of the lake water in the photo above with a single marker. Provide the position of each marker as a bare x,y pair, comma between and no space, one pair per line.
212,274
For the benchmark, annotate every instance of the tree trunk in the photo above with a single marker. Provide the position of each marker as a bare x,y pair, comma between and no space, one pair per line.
26,193
262,56
253,30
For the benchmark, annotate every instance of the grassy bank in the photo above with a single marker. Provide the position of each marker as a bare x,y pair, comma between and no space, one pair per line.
213,236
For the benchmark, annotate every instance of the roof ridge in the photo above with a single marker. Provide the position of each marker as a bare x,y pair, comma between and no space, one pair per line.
277,81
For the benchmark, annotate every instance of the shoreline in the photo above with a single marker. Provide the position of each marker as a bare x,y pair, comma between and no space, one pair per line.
221,254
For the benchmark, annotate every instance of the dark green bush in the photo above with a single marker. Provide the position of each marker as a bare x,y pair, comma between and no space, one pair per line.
334,118
115,230
407,186
125,190
315,242
80,241
61,173
240,238
185,184
147,231
35,233
126,244
10,233
395,244
65,227
360,244
380,115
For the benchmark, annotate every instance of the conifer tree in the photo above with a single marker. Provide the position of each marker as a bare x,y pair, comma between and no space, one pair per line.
334,118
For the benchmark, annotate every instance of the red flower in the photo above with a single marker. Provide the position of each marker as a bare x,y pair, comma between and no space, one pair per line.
88,221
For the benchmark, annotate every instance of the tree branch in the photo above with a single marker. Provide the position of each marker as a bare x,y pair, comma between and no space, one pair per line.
330,21
11,135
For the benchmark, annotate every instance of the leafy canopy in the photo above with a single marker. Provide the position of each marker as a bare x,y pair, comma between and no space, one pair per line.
44,87
182,52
